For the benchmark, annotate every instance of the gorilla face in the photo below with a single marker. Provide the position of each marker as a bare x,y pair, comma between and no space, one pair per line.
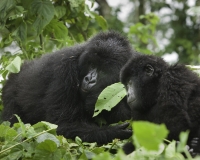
141,78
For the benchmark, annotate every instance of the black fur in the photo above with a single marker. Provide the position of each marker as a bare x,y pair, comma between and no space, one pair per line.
63,87
160,93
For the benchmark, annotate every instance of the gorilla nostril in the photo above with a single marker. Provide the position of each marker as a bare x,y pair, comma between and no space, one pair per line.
87,79
127,95
93,80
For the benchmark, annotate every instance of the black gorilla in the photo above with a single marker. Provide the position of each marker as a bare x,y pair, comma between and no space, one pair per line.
160,93
63,87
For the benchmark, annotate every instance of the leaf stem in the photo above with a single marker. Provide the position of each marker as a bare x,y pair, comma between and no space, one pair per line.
25,140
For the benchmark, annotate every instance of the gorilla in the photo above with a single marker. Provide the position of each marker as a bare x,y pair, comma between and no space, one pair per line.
62,88
160,93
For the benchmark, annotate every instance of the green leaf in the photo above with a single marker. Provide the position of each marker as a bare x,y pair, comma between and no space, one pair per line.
170,150
101,21
22,32
5,6
103,156
75,3
152,140
44,12
89,12
50,125
16,152
7,132
46,136
183,137
109,97
14,66
47,145
41,126
58,30
78,140
47,150
60,11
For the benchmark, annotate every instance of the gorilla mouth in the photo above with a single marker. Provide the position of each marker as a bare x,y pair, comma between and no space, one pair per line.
84,90
132,102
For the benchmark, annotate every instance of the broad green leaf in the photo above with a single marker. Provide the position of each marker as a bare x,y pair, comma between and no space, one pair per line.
78,140
44,12
101,21
16,152
50,125
58,30
83,22
83,156
89,12
183,137
7,132
47,150
152,140
17,12
47,145
75,3
60,11
103,156
42,126
170,150
7,40
5,6
14,66
30,148
45,136
22,32
109,98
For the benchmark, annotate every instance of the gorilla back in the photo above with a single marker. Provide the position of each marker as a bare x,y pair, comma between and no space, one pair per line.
62,88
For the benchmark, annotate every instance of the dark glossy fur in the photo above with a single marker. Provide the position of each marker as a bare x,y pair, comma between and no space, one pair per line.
171,96
48,89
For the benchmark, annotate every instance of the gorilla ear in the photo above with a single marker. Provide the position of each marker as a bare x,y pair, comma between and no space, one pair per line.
149,70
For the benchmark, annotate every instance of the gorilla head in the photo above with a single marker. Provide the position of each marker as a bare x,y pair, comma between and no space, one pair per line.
100,65
141,78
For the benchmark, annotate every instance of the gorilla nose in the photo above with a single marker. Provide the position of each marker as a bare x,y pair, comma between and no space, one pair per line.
90,80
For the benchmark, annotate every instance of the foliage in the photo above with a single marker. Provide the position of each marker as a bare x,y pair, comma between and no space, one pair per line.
38,26
178,29
141,35
39,141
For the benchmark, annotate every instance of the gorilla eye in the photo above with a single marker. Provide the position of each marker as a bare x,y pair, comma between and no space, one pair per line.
149,70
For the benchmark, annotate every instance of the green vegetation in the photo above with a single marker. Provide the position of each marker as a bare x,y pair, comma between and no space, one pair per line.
30,28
